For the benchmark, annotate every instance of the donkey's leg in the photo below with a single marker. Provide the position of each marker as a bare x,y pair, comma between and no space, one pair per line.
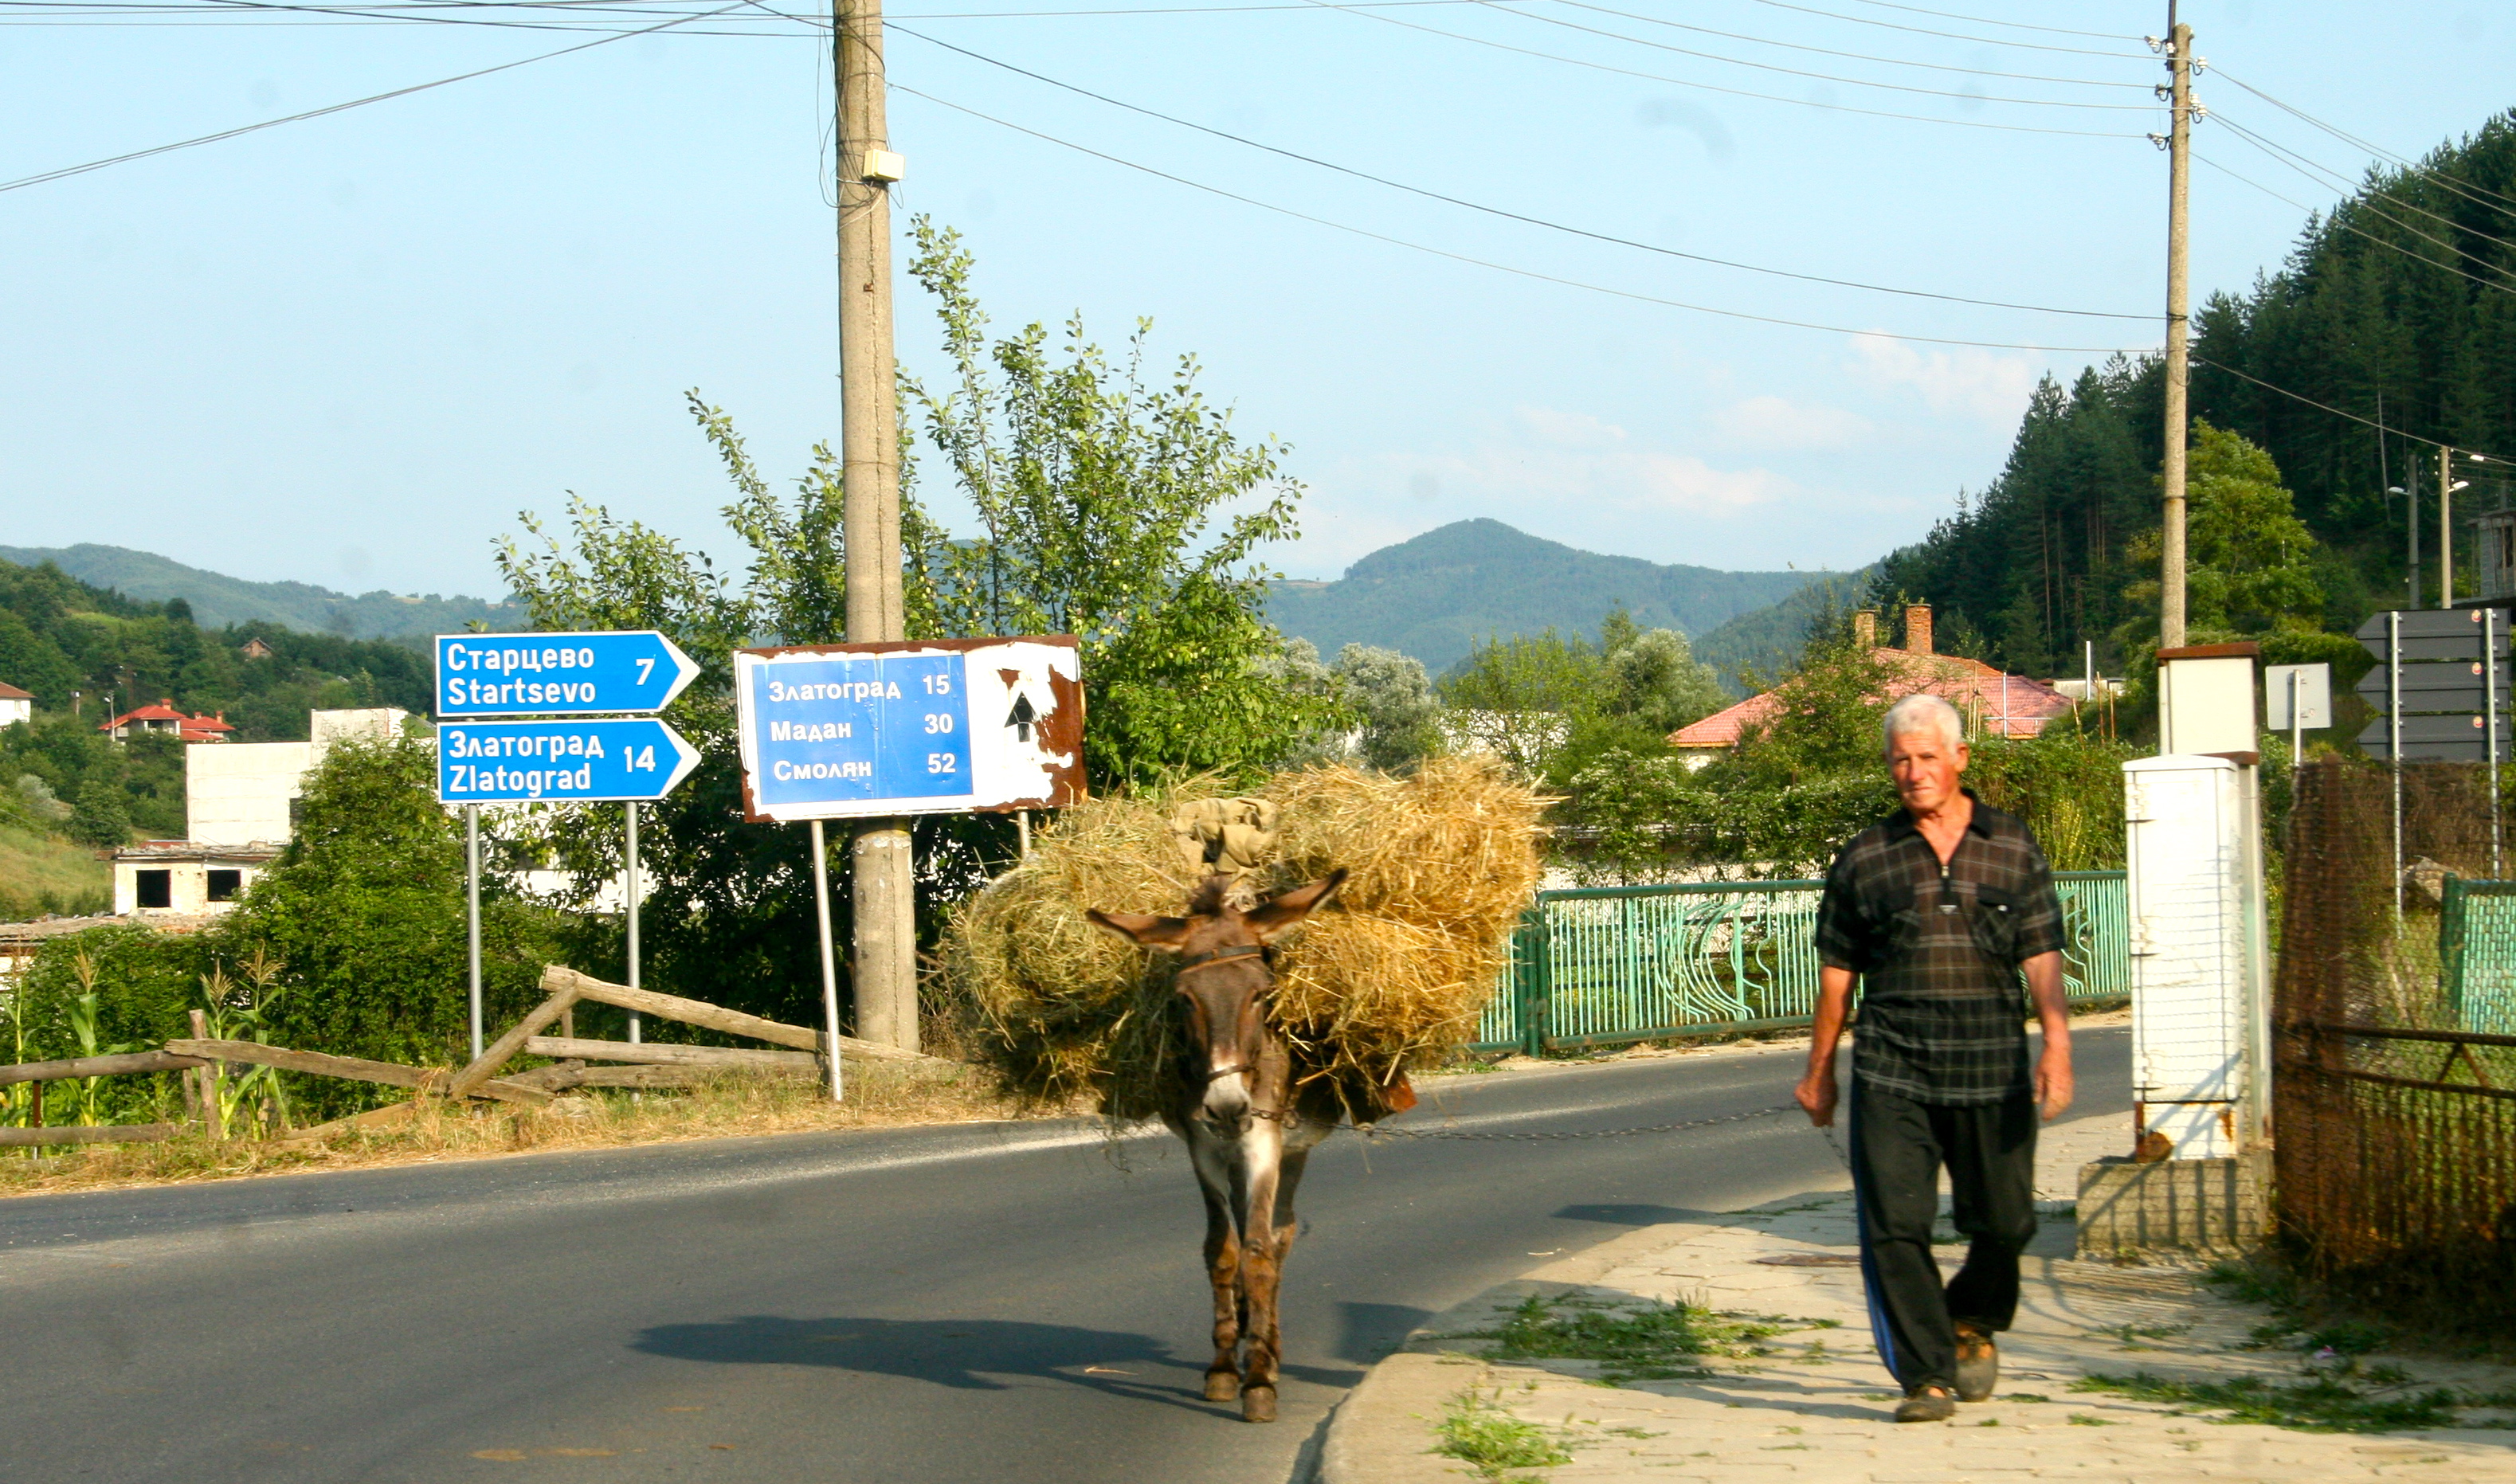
1262,1246
1213,1157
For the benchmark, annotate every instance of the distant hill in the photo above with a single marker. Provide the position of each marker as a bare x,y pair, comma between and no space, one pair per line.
1436,595
217,600
1767,641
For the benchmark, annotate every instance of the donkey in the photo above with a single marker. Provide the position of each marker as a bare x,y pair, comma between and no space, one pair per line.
1249,1128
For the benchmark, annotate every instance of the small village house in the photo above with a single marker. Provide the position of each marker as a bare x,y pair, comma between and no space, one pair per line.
15,705
163,720
1993,702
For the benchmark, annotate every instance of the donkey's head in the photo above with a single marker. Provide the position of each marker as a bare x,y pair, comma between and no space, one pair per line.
1224,977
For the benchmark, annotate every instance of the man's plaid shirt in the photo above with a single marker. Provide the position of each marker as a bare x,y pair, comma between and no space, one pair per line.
1938,950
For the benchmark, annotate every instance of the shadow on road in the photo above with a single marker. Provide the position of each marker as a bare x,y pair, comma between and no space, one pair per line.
1366,1333
1635,1215
971,1355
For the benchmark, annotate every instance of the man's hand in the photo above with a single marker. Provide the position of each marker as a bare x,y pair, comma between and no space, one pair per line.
2053,1086
1816,1092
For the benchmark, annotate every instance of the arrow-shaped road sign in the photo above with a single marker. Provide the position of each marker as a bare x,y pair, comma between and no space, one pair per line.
558,675
635,757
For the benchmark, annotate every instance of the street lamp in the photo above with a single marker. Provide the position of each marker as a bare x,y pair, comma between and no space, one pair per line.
2412,526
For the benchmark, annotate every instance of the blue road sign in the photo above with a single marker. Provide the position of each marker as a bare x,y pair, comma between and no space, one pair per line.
839,731
861,727
581,762
567,675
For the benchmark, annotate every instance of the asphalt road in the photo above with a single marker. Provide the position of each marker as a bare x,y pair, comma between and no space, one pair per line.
972,1302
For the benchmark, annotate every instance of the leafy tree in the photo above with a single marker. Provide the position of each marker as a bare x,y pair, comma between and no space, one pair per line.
2248,559
1655,679
1106,501
99,815
1394,696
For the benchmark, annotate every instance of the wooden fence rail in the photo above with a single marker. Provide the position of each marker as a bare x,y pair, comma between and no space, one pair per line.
95,1066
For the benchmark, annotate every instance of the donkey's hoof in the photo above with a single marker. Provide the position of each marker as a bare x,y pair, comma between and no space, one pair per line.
1221,1386
1258,1404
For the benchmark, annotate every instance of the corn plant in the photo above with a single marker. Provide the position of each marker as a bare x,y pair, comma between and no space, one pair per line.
84,1008
241,1012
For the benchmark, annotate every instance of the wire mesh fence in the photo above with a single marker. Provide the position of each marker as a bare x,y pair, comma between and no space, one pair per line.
2394,1082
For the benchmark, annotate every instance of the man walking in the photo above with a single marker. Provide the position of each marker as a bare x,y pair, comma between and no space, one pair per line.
1938,909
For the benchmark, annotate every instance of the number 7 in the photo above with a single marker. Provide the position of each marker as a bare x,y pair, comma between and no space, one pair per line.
645,667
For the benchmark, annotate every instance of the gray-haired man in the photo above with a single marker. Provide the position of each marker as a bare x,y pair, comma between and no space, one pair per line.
1938,909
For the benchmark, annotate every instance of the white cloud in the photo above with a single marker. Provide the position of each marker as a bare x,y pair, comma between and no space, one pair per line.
1967,379
1574,430
1774,422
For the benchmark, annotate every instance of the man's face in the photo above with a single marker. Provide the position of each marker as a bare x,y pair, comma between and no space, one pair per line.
1925,765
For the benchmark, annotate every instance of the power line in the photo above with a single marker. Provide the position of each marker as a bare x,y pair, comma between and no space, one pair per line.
2360,194
1680,82
1501,267
2464,188
1899,62
1497,211
2337,412
68,170
2354,229
2016,25
1919,30
1850,82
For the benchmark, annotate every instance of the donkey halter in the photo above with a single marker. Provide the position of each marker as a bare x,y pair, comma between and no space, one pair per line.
1196,961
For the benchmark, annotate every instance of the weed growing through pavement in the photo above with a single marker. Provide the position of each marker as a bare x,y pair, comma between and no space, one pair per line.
1660,1341
2324,1402
1490,1441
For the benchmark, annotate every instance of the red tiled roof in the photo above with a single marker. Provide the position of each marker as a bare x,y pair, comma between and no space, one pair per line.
2011,704
9,692
187,729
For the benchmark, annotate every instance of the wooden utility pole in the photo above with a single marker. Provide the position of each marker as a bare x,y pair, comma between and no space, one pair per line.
884,973
2179,170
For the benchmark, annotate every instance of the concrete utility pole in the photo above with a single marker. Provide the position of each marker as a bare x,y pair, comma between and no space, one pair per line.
885,970
2445,527
2179,172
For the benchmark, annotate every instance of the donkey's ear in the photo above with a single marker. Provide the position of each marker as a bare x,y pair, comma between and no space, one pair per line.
1137,927
1281,913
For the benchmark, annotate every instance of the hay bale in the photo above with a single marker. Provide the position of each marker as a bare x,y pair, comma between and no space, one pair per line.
1390,975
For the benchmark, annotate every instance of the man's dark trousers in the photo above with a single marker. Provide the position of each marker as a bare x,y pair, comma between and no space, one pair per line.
1898,1146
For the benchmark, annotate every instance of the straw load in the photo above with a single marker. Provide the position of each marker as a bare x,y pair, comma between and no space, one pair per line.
1390,976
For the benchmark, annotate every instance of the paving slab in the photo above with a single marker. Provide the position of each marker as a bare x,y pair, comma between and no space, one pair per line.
1818,1410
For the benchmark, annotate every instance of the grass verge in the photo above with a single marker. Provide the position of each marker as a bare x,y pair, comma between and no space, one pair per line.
1492,1441
879,1094
1659,1342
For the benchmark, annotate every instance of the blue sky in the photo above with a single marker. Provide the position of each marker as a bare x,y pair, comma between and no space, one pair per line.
349,351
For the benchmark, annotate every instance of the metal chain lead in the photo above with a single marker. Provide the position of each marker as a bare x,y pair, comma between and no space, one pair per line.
1375,1130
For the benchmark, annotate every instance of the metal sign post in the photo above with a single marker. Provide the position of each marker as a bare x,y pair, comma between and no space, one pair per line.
829,958
630,909
472,900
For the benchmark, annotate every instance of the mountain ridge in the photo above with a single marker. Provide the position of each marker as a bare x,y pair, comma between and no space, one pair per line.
218,600
1436,595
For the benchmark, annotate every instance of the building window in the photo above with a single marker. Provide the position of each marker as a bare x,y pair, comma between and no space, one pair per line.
226,885
156,889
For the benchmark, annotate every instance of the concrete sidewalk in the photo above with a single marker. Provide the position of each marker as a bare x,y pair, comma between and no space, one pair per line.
1818,1409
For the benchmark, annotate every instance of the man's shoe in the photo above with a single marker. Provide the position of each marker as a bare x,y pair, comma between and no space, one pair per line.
1978,1364
1926,1404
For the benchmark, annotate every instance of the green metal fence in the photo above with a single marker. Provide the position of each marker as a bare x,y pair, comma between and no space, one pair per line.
1618,963
2477,950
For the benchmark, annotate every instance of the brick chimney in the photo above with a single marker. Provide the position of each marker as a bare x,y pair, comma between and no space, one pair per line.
1917,629
1864,629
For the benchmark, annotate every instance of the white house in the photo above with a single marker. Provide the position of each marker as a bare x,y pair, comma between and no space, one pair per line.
15,705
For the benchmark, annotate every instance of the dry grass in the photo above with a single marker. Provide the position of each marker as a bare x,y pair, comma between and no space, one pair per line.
879,1094
1390,976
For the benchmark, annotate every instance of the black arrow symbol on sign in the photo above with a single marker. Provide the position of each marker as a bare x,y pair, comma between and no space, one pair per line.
1021,716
